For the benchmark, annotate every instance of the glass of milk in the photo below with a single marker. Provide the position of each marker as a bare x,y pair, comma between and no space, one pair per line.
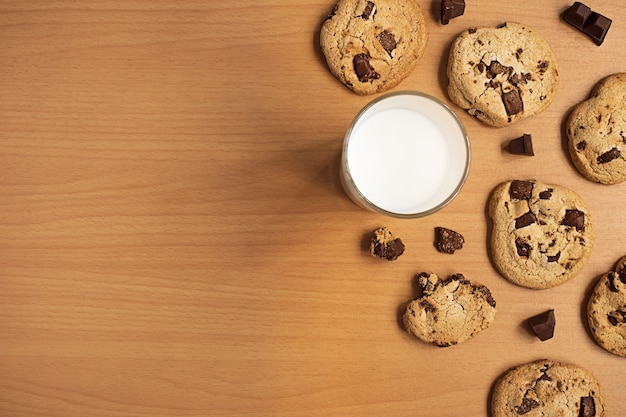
406,154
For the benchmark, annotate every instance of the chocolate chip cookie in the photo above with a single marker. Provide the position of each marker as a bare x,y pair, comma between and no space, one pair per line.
502,74
606,310
596,132
548,388
542,235
449,311
371,46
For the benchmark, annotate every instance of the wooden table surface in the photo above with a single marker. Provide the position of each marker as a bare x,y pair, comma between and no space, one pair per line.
174,240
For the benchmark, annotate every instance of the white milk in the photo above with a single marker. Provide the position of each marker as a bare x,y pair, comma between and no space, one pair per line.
406,155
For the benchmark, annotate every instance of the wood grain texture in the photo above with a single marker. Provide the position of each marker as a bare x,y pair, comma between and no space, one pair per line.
174,240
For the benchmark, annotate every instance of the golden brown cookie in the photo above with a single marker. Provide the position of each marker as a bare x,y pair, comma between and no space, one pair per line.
596,132
449,311
371,46
548,388
542,235
502,74
606,310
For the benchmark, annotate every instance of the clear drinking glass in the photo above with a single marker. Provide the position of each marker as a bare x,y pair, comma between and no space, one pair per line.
406,154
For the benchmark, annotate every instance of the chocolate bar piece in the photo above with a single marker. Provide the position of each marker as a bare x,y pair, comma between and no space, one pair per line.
577,15
451,9
593,24
543,325
522,145
596,27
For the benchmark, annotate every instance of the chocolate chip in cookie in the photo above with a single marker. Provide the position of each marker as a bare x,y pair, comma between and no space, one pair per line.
363,69
384,245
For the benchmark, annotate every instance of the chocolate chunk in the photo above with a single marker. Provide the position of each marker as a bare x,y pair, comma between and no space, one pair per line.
546,195
574,218
517,79
520,190
333,12
593,24
525,220
587,407
554,258
390,250
487,295
496,68
513,103
451,9
388,41
457,277
526,405
543,325
385,246
522,145
543,66
448,241
609,156
596,27
427,306
582,145
523,248
370,10
577,15
364,71
617,317
611,278
544,377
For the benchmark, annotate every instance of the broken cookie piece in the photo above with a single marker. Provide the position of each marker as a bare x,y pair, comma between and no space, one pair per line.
447,240
385,246
449,311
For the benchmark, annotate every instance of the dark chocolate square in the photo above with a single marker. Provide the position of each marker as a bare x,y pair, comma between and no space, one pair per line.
596,27
577,14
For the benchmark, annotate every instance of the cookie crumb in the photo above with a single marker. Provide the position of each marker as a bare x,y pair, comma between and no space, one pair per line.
385,246
447,240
